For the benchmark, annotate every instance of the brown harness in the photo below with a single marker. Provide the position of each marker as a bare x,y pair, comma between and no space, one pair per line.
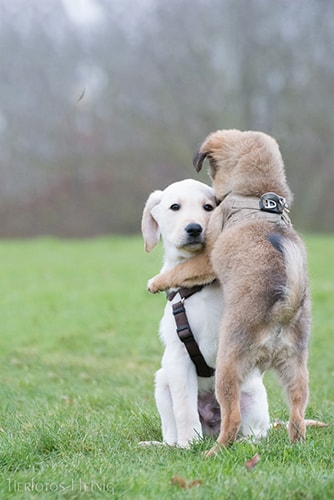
184,331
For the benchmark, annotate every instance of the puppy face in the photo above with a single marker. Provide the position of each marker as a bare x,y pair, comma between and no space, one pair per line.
180,214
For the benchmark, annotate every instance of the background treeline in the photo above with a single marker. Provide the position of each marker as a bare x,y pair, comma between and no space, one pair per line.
96,112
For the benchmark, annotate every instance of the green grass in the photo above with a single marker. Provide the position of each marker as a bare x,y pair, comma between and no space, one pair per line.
79,348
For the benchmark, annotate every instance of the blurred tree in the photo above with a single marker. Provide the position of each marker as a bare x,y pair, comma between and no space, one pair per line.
100,106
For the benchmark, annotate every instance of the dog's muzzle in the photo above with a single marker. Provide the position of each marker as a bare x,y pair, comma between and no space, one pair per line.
194,234
194,230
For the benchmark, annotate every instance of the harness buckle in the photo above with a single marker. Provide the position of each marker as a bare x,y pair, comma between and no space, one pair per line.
272,202
185,335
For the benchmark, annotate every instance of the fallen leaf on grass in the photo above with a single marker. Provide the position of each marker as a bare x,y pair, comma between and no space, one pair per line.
308,422
180,481
278,424
252,462
197,482
315,423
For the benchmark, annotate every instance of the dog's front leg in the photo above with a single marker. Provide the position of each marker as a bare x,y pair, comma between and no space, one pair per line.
255,420
183,385
195,271
164,404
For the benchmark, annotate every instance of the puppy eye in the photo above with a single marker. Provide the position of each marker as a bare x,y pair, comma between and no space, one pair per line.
175,207
208,207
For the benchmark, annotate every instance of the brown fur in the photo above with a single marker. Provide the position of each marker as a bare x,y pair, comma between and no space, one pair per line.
261,263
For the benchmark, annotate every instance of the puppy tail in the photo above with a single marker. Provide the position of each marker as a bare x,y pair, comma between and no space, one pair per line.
296,286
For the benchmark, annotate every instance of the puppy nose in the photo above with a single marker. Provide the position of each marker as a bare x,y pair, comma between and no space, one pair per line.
194,229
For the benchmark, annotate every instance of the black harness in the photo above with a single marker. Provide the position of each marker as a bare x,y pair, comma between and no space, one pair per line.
184,332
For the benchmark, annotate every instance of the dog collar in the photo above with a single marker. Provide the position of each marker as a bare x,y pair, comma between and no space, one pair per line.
270,207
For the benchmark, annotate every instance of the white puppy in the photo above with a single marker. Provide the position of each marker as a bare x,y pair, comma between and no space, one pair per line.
185,401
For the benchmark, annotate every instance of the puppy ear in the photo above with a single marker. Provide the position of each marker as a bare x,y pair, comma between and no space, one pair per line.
149,226
198,159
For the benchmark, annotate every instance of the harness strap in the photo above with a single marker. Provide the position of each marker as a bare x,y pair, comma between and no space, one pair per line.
185,293
185,334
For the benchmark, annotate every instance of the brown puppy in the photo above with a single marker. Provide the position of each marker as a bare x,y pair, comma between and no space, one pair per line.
261,263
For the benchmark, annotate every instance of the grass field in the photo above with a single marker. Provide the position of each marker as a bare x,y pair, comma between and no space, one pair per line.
79,349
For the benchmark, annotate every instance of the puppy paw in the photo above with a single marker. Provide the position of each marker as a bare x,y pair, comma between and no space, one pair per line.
151,443
213,451
152,285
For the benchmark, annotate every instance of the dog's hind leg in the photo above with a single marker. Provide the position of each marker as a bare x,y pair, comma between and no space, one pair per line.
294,375
228,396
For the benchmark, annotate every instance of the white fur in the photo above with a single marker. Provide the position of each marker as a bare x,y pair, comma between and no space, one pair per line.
177,385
